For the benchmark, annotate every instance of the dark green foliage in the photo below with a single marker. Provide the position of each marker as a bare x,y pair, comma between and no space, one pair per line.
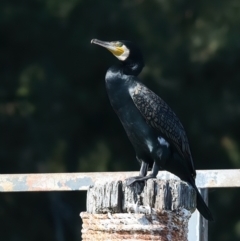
54,111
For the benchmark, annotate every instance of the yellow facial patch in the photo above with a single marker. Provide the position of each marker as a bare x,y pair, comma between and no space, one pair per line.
117,51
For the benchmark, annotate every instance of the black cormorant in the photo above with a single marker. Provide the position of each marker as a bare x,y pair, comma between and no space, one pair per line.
156,133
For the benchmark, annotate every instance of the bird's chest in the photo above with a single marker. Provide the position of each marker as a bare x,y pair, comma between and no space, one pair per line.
141,135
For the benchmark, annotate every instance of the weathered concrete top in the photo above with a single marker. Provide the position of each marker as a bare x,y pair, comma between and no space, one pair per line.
154,195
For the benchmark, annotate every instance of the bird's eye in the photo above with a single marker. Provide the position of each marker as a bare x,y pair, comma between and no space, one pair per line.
119,44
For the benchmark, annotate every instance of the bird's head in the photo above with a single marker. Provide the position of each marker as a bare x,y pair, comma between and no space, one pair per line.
126,51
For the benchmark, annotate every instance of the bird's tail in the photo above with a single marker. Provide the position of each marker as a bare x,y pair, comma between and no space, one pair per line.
202,207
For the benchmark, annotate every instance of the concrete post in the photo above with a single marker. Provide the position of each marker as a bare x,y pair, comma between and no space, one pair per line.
154,210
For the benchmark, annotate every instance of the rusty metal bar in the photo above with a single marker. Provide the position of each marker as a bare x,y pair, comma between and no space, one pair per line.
81,181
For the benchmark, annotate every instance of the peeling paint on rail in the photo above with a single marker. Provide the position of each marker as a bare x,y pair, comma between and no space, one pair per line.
81,181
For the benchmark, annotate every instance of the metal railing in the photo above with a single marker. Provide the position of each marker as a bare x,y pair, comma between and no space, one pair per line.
81,181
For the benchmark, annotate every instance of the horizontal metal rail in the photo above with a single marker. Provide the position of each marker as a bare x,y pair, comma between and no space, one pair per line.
81,181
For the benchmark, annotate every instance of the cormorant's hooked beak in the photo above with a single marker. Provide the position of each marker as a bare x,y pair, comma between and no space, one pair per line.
111,46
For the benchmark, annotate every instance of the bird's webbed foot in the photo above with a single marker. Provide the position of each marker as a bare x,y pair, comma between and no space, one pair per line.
131,180
141,177
142,173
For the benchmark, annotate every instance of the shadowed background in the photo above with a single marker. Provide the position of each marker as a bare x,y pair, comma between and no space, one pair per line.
54,111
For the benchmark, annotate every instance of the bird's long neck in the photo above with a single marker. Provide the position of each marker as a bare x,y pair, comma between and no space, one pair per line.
130,67
118,75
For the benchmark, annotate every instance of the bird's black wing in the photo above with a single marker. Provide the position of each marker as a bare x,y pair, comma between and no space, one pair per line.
160,116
